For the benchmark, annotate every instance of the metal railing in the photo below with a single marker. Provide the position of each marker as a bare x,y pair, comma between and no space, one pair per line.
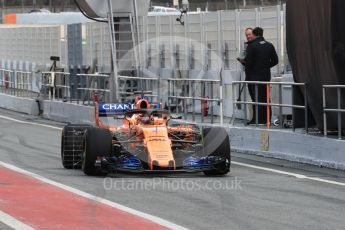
89,84
129,87
7,81
17,83
244,85
183,95
23,83
81,89
139,86
55,86
339,110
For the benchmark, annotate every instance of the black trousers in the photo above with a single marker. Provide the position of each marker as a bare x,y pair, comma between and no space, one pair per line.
261,98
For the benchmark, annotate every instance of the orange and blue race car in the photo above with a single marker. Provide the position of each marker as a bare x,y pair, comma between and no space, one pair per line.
140,137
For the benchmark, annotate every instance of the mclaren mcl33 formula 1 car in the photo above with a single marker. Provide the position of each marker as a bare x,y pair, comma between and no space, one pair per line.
139,138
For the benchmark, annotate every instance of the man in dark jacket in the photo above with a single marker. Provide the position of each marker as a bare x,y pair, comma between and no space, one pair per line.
261,56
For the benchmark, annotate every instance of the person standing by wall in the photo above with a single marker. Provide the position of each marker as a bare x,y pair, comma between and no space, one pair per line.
248,32
261,56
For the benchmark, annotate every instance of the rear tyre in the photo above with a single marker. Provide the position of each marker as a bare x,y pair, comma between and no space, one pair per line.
216,143
98,143
72,145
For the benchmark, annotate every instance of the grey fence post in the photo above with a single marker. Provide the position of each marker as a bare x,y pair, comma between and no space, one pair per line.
245,103
339,112
280,108
306,108
324,111
256,105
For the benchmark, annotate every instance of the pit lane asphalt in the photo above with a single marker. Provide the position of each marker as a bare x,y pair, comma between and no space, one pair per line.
261,200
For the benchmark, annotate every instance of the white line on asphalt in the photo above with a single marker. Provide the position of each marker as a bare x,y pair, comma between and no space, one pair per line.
29,123
299,176
149,217
12,222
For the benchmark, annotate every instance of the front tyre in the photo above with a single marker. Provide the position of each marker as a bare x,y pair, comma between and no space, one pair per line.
98,143
216,142
72,145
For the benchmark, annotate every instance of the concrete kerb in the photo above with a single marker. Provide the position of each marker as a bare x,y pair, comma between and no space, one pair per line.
67,112
287,145
18,104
